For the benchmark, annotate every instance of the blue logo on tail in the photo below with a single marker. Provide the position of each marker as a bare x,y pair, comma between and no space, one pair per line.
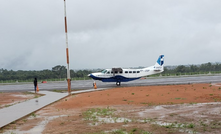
160,60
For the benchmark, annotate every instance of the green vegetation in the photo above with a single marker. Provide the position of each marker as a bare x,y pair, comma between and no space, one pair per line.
180,98
8,105
91,114
207,68
124,131
33,115
59,73
36,96
59,91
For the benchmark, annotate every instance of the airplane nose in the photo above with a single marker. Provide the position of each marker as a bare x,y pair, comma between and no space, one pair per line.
89,75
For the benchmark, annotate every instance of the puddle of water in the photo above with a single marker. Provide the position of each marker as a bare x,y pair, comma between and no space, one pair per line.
174,126
158,108
37,129
22,96
109,120
113,120
162,123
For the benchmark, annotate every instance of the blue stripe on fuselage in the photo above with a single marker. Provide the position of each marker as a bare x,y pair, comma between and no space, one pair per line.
117,78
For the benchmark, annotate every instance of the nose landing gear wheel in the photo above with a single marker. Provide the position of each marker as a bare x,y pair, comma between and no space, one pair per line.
118,83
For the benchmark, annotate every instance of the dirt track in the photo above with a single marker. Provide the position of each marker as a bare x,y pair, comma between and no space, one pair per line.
149,109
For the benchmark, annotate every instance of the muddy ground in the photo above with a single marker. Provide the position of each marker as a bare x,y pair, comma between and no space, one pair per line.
193,108
9,99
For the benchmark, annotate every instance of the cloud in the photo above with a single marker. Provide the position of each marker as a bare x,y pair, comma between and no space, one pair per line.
103,34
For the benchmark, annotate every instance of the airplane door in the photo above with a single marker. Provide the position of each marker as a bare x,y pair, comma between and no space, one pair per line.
110,74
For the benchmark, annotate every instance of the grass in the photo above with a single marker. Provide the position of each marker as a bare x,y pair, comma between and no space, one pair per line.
179,98
191,125
8,105
123,131
93,113
125,121
33,115
59,91
192,103
36,96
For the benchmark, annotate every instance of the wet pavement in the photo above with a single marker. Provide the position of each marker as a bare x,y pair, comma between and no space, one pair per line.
87,84
17,111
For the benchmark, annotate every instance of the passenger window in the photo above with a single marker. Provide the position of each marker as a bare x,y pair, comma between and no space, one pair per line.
126,72
120,72
138,71
108,72
116,72
111,72
134,71
130,72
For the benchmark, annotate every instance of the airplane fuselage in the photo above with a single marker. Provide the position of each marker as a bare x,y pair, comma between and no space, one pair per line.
119,75
125,75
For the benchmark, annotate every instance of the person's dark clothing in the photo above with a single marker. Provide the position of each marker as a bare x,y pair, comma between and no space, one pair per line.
35,84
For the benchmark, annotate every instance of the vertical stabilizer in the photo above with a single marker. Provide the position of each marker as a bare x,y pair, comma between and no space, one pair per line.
159,63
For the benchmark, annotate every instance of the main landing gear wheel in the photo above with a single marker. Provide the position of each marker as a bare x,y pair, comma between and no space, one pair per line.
118,83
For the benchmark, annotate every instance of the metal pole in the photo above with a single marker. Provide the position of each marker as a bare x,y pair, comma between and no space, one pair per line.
67,52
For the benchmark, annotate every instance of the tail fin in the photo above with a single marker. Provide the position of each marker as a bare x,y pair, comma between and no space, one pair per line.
159,63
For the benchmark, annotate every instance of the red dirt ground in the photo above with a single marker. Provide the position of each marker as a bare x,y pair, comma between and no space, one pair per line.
7,99
152,95
153,103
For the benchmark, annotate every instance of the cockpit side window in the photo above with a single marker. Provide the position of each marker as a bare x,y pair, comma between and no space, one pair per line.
104,71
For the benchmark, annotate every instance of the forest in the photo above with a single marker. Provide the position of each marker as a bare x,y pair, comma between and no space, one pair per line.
58,72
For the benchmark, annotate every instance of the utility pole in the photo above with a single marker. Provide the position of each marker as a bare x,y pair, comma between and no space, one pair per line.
67,52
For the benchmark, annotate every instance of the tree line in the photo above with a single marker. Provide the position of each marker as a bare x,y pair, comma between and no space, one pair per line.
60,72
57,72
193,69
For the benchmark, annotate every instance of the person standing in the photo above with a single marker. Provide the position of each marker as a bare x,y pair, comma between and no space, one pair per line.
35,84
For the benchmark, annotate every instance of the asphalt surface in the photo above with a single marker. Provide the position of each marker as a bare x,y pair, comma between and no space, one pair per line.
88,84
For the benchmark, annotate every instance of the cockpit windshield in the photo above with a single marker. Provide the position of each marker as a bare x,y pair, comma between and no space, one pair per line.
104,71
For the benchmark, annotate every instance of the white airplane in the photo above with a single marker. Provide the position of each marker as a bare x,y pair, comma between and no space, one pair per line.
119,75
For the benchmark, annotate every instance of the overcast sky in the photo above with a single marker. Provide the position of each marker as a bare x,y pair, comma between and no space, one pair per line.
108,33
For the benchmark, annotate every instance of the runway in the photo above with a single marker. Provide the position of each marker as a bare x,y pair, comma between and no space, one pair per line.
87,84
